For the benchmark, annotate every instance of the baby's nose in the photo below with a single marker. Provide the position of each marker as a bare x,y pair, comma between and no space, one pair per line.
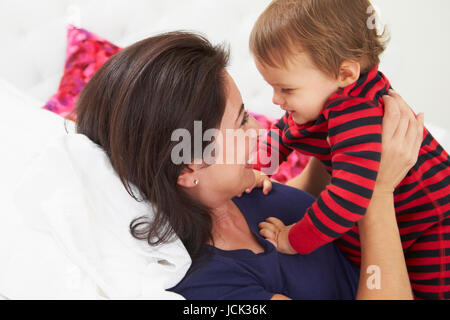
277,100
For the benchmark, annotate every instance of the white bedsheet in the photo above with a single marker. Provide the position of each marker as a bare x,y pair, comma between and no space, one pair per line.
75,241
64,217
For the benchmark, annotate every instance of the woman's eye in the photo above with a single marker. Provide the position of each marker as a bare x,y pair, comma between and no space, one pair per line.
245,119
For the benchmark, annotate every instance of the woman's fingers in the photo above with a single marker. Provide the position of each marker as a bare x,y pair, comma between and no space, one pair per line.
415,126
404,122
421,125
415,139
400,101
407,116
409,133
391,116
401,140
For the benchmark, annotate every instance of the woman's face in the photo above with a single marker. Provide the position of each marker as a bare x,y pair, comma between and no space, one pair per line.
230,175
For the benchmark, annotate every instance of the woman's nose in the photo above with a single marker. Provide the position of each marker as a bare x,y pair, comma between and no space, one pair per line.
254,131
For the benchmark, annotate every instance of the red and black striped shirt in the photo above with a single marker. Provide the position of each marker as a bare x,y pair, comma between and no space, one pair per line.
352,119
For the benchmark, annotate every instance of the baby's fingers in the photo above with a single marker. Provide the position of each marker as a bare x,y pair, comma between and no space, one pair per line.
248,190
276,222
268,226
267,186
269,234
270,238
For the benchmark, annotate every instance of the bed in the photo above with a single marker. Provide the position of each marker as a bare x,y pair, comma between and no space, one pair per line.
42,256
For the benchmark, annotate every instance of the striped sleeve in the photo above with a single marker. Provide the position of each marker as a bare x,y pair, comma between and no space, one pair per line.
271,150
355,139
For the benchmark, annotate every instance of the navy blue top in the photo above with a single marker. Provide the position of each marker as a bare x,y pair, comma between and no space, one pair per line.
242,274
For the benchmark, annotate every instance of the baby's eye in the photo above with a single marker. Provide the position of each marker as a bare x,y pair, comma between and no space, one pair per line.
287,90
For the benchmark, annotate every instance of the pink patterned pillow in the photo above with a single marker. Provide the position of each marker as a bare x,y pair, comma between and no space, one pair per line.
295,163
86,53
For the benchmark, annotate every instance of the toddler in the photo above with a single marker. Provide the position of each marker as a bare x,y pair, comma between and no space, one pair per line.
321,58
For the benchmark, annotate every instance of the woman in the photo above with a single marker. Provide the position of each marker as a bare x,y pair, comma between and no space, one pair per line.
132,107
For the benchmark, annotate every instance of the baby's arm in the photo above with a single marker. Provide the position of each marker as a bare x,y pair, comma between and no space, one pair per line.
354,129
393,131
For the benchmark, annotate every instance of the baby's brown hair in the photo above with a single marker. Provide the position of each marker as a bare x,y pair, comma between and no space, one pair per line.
329,31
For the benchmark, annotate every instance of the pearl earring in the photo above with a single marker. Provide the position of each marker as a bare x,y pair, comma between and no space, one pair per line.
196,181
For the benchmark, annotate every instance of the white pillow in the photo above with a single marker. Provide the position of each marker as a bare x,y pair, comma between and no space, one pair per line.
64,216
24,130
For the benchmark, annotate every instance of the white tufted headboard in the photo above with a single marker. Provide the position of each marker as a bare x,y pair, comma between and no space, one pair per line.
34,33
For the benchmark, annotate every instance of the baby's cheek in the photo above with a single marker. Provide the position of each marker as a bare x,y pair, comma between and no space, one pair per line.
315,108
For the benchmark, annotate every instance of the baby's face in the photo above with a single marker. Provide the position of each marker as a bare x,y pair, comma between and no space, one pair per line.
300,88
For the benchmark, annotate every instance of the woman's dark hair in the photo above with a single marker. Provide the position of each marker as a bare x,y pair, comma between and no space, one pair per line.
131,107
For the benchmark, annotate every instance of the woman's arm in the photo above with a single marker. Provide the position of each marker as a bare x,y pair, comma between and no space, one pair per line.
383,269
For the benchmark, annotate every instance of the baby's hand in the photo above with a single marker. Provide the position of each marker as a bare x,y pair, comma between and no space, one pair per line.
261,181
278,234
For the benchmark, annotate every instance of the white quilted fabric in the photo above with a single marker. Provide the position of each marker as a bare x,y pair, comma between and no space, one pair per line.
36,36
61,236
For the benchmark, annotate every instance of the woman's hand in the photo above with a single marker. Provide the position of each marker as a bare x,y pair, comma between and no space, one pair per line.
381,248
402,137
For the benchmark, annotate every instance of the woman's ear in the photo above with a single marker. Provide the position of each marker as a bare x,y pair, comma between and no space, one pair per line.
187,177
348,73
